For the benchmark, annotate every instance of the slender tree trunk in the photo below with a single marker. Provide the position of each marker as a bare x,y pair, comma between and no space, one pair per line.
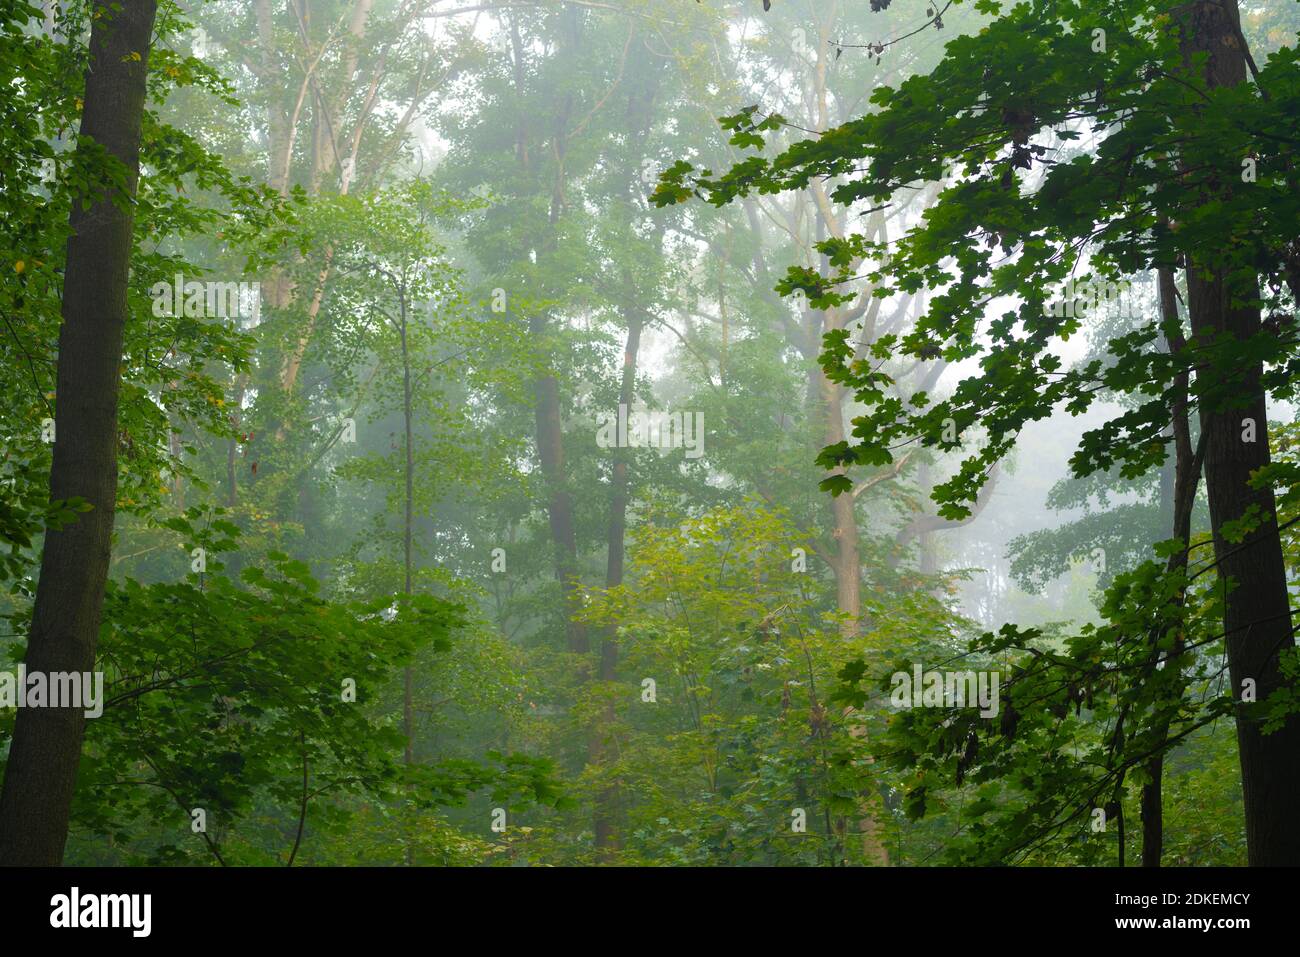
847,566
1178,487
232,447
408,525
607,801
619,490
847,561
280,140
844,521
408,515
40,779
1257,615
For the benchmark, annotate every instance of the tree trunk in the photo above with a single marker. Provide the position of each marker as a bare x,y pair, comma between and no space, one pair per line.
559,503
550,428
844,521
1257,615
606,818
408,526
1177,498
40,779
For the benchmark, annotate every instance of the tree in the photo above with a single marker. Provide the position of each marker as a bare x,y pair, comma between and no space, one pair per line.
42,769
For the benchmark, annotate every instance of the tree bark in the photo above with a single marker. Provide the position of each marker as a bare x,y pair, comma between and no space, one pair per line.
36,800
559,503
1257,617
844,520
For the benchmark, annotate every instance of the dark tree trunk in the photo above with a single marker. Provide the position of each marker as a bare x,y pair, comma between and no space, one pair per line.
559,503
1257,616
40,779
550,426
546,387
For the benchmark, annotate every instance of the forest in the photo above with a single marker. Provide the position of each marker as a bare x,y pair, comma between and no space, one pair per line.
649,433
